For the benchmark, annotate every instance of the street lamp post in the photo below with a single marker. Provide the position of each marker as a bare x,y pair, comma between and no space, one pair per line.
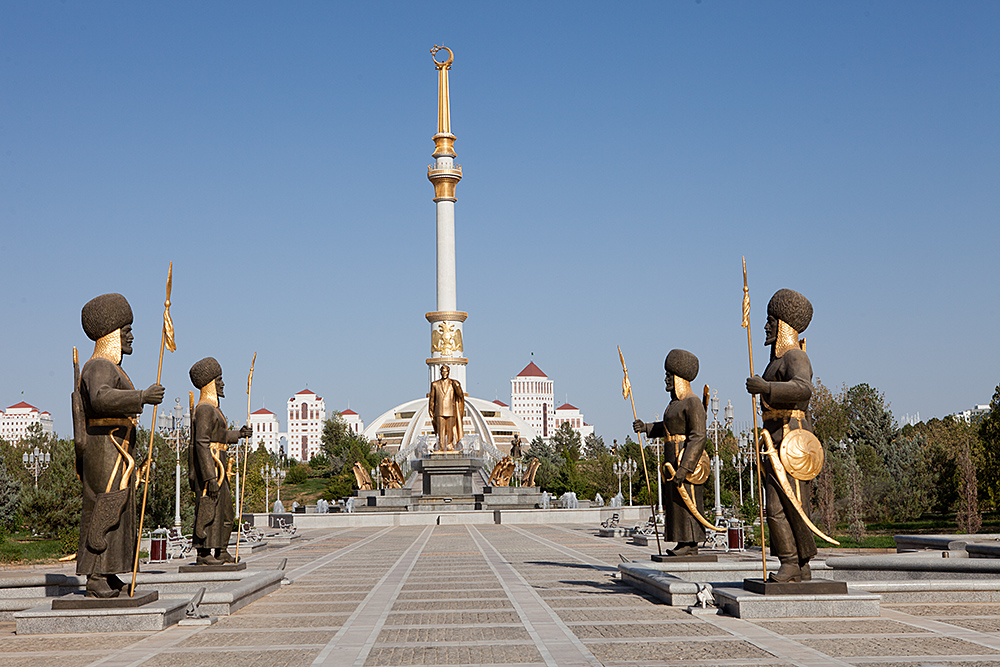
280,477
716,462
619,469
36,462
657,445
269,474
630,468
176,424
728,415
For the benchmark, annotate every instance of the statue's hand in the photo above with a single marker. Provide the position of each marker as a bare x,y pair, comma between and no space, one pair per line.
246,432
213,488
640,426
680,476
152,395
756,385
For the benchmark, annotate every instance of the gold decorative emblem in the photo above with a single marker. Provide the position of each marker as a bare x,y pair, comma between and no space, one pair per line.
801,454
446,340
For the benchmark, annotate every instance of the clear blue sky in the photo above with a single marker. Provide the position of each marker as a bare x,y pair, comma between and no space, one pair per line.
619,159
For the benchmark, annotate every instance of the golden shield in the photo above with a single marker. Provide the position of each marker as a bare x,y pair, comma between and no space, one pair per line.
801,454
701,471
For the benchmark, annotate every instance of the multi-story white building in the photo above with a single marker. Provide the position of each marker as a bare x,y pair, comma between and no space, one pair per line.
973,415
266,430
353,421
306,415
532,399
571,414
18,418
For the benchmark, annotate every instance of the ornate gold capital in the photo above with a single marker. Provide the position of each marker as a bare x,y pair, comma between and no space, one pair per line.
446,316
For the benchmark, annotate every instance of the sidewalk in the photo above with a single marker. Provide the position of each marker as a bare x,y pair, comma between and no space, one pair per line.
504,595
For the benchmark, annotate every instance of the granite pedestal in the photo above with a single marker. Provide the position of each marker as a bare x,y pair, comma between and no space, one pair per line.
447,475
384,500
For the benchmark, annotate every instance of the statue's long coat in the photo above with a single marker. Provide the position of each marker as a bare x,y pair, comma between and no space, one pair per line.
210,426
107,396
682,417
790,376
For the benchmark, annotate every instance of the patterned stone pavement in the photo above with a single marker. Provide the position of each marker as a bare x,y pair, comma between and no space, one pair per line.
522,596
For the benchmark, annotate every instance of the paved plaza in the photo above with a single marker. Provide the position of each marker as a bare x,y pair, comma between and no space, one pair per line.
503,595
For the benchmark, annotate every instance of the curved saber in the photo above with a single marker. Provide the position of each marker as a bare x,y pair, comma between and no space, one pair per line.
779,471
690,503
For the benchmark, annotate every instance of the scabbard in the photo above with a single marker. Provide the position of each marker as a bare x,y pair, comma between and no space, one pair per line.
106,516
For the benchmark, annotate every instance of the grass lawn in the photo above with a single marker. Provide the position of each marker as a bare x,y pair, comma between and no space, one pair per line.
20,547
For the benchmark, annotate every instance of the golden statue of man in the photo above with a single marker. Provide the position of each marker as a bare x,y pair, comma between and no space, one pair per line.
447,409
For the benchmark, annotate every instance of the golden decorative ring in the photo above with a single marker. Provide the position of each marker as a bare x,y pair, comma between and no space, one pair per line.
446,63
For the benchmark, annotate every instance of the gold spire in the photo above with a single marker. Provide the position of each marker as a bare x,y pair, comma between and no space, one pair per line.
445,176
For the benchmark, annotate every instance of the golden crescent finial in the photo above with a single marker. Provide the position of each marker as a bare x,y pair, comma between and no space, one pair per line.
446,64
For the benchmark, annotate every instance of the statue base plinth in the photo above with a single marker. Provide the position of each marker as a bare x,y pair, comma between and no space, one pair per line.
696,558
225,567
77,601
447,474
812,587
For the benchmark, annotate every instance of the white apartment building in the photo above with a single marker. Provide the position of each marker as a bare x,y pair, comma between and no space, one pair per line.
15,421
572,414
353,421
306,415
532,399
975,414
266,430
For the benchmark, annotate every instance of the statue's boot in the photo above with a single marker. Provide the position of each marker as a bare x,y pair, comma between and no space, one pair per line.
783,544
224,556
205,557
804,570
115,583
98,587
684,549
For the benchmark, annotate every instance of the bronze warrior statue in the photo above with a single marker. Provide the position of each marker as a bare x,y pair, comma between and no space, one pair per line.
106,407
446,406
785,390
208,466
683,428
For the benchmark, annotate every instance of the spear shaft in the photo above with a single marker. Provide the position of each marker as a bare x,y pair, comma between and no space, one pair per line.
152,428
246,455
642,454
753,405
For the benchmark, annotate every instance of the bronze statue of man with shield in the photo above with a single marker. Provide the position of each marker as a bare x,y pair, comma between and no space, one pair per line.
794,455
683,428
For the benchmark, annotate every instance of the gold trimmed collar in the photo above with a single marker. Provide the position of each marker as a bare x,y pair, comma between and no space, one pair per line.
209,395
786,339
109,347
682,388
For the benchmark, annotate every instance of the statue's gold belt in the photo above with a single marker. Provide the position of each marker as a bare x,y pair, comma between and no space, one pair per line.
784,415
676,438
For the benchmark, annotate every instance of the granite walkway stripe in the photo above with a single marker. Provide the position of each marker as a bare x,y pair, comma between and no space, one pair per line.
595,563
777,645
143,650
557,644
353,642
305,542
329,558
943,628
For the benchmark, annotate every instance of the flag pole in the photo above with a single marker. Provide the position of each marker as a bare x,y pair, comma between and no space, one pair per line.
246,455
166,341
753,405
627,393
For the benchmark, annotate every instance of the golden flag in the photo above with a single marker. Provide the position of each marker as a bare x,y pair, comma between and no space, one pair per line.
746,298
250,377
626,385
168,324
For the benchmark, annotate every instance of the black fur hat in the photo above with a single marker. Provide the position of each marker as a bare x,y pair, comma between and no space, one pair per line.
682,364
205,371
104,314
791,308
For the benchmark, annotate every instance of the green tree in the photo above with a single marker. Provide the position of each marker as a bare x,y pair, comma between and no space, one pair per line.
594,447
10,499
988,472
549,463
567,442
54,507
